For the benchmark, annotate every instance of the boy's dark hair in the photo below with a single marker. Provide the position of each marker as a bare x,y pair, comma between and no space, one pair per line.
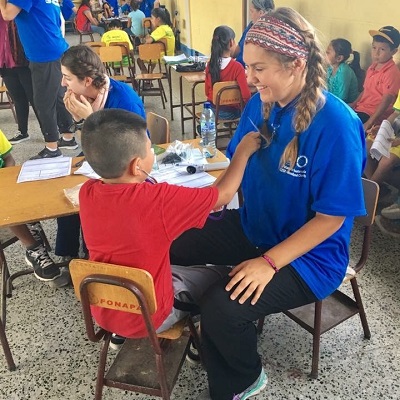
134,5
356,67
220,43
111,139
83,62
115,23
387,34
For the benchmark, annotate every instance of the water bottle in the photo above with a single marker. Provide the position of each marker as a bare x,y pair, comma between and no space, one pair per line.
208,132
120,14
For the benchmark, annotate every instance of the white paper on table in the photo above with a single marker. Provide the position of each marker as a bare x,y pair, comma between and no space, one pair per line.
44,168
177,175
87,170
383,141
175,59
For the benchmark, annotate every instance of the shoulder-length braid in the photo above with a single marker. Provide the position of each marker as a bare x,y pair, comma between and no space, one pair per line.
311,97
219,45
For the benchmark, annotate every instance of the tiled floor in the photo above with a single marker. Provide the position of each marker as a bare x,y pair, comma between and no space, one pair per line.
56,361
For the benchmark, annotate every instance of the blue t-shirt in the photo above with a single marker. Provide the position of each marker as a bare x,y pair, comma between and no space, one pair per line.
326,179
239,57
136,22
126,8
123,96
114,4
66,9
39,28
344,84
146,6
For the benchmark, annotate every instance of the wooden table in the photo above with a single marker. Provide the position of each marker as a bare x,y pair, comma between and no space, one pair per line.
193,79
26,202
34,201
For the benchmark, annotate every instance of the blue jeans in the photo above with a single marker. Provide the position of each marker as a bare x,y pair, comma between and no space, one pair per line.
97,29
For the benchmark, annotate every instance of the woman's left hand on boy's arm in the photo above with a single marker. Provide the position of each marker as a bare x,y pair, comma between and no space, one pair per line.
251,277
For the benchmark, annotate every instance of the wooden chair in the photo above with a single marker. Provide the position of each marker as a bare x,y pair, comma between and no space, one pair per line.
146,23
6,101
149,365
95,46
225,94
112,58
82,34
6,239
129,56
321,316
153,53
158,127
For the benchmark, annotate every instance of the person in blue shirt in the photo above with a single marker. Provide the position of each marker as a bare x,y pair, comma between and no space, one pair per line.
146,6
256,9
68,9
39,28
89,89
289,242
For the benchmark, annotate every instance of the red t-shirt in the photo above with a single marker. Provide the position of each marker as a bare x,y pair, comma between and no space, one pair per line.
234,71
134,225
377,84
82,22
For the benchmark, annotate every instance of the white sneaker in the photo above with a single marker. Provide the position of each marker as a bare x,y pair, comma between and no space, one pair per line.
392,212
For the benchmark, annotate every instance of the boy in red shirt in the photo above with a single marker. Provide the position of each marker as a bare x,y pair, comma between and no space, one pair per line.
382,80
129,221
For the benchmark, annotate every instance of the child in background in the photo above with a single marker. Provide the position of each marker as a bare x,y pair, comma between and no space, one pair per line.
141,219
382,81
222,67
36,254
341,79
135,23
161,22
115,34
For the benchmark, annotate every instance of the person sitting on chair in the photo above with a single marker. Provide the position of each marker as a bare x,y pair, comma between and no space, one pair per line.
86,22
36,254
140,218
161,23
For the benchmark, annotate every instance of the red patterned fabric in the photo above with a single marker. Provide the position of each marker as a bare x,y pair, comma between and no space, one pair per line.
275,35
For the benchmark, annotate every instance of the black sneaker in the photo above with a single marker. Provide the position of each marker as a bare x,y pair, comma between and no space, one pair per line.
116,341
46,153
193,355
45,269
67,144
36,231
18,138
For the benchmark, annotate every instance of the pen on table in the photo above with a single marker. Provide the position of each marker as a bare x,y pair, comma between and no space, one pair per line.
256,128
79,163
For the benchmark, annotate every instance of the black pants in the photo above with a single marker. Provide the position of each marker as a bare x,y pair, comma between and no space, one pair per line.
229,337
48,98
19,84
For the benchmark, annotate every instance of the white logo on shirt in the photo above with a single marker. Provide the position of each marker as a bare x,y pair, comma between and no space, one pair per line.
299,171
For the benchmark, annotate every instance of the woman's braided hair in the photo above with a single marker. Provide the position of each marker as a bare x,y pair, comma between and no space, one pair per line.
83,62
311,97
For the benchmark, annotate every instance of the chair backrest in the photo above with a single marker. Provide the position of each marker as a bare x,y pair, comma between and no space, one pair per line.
227,93
127,53
371,193
109,54
158,127
151,51
113,286
95,46
146,23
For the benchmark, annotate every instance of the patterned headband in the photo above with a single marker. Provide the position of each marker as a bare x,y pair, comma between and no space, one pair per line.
275,35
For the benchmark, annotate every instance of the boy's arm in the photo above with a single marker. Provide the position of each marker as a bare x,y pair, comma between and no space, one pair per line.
8,160
8,11
229,182
387,100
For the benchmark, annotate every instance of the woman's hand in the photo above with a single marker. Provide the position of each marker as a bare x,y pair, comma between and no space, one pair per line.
251,277
78,106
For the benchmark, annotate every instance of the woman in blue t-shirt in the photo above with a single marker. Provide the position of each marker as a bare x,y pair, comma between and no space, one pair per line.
89,89
289,241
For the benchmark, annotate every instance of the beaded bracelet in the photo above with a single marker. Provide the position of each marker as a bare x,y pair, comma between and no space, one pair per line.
270,262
